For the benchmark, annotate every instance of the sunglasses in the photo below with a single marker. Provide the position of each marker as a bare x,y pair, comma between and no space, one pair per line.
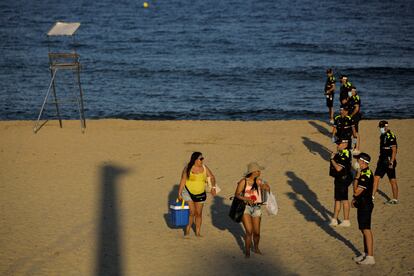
201,158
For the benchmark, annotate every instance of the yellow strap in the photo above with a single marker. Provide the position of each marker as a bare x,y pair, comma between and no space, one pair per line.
182,204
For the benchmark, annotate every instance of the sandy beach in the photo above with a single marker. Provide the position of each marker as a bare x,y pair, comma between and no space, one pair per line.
97,203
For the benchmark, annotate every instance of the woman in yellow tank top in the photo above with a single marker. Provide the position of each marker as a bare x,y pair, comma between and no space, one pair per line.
195,183
192,190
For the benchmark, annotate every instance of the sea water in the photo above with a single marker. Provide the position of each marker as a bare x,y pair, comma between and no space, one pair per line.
208,59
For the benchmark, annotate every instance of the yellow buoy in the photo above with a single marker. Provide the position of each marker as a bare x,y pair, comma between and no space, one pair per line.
145,5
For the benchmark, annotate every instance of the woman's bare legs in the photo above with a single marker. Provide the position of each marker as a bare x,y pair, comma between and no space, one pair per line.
198,216
190,218
248,228
256,234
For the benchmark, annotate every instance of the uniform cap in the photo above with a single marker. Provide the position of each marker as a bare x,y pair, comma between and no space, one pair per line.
341,140
343,107
382,124
364,157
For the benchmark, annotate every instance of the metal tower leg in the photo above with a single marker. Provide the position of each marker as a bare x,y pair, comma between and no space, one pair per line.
55,98
36,127
80,101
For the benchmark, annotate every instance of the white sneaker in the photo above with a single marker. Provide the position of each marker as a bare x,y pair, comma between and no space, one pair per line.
368,260
359,258
392,201
345,223
334,222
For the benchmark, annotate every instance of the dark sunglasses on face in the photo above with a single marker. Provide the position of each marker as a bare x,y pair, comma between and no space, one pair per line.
201,158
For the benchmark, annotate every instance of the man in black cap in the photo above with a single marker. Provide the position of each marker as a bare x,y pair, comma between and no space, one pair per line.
344,128
340,169
363,201
387,160
329,93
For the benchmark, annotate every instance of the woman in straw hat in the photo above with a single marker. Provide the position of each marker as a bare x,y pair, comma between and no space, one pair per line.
249,189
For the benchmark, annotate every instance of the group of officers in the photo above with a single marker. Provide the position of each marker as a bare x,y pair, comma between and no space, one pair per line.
345,172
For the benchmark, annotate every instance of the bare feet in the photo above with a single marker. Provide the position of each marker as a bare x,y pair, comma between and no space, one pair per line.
257,251
187,230
247,253
199,236
187,233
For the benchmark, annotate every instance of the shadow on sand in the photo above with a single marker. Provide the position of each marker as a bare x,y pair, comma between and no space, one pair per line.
306,202
321,129
384,195
316,148
221,220
109,258
266,264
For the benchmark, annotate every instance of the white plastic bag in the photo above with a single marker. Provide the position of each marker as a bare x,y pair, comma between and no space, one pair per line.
209,186
271,205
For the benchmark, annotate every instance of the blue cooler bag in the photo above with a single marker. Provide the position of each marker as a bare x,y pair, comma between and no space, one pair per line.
179,213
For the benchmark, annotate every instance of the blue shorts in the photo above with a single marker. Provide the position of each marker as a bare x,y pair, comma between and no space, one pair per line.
253,211
185,195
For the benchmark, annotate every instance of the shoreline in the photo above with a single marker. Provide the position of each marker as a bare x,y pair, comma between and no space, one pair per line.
203,120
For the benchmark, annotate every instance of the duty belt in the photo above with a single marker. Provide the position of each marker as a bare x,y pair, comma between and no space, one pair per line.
386,147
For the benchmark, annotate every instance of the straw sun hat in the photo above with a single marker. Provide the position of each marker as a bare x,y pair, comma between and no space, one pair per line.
252,167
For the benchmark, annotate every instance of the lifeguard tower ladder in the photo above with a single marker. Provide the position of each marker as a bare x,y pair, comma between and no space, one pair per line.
63,61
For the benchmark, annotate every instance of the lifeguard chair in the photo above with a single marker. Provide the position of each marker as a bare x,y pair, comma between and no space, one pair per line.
58,61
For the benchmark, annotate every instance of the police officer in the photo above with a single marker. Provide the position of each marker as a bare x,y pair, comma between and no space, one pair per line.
363,201
343,127
340,169
354,107
387,160
329,93
344,89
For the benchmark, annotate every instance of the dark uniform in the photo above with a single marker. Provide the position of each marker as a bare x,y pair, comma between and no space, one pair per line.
355,100
330,81
343,91
387,141
364,201
343,127
343,178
